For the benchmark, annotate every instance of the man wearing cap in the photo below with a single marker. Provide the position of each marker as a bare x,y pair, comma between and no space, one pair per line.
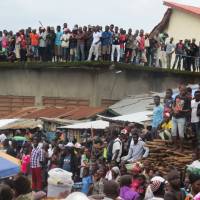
68,159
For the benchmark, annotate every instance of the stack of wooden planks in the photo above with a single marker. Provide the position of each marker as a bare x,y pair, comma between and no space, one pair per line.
163,157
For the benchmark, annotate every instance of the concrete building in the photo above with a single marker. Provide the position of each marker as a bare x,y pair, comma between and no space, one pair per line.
180,21
77,92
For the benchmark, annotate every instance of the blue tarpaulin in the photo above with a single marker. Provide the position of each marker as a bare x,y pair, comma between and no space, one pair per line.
8,168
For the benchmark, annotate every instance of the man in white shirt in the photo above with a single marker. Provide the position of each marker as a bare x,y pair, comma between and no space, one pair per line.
137,150
117,147
94,49
195,119
115,44
42,43
65,44
170,48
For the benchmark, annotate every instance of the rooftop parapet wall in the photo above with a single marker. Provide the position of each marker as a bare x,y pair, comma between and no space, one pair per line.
94,81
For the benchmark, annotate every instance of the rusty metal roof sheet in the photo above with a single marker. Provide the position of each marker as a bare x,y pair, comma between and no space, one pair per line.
74,113
183,7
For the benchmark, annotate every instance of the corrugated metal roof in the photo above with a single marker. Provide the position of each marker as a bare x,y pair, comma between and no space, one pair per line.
74,113
22,124
186,8
138,117
59,121
99,124
140,103
135,104
83,113
5,122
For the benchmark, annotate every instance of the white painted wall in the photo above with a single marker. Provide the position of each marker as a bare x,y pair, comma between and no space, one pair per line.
184,26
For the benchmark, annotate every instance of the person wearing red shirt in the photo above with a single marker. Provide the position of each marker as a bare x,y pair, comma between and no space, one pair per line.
34,43
130,38
141,47
122,40
23,51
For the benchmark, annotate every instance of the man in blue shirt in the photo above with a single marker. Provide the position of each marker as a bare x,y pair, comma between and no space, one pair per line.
86,182
58,49
106,39
157,115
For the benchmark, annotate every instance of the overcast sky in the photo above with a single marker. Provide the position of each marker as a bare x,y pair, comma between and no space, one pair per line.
16,14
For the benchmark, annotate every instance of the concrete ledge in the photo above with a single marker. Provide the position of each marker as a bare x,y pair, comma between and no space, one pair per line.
91,81
95,66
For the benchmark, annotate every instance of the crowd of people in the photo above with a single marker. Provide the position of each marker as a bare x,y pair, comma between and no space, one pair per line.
95,43
99,163
178,117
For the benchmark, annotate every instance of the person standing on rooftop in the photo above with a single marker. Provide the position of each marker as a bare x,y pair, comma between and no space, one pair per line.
58,50
115,44
94,49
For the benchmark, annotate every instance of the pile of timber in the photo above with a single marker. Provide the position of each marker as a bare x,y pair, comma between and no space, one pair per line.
162,156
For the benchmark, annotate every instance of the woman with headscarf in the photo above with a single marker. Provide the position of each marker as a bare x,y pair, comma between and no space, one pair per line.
115,174
158,190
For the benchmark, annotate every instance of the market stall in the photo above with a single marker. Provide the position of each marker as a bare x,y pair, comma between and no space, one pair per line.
9,166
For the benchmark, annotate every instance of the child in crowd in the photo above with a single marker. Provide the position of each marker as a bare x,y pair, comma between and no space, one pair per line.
86,182
25,166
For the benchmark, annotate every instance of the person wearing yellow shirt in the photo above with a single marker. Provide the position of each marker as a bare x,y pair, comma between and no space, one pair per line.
165,128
